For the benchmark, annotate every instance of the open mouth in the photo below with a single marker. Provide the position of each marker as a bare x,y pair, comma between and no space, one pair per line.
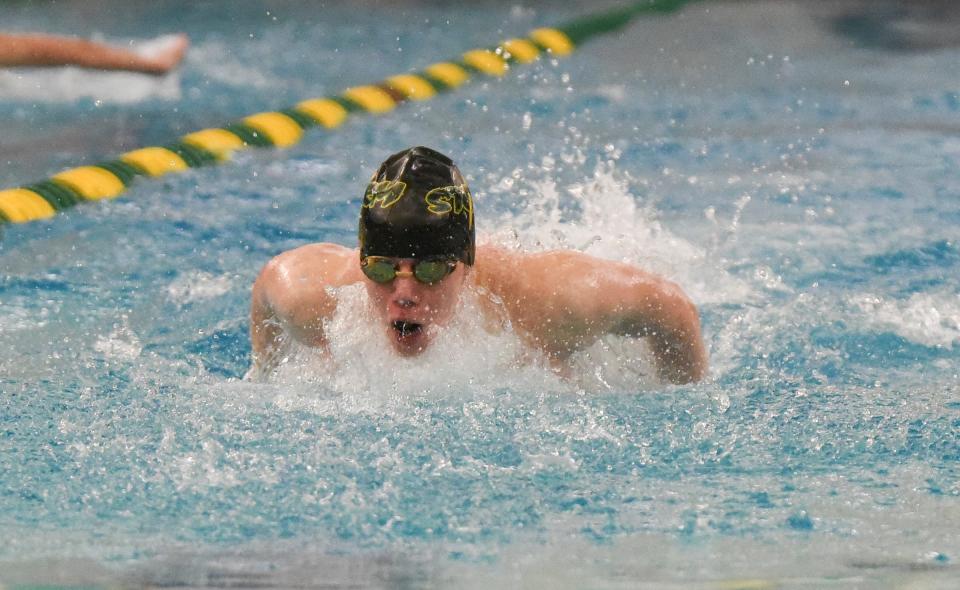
405,328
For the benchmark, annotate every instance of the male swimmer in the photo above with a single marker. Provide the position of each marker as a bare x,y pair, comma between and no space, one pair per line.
417,256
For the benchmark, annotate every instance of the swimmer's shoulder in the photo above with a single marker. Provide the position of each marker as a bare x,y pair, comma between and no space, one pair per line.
493,267
556,282
521,280
295,278
293,294
523,273
313,264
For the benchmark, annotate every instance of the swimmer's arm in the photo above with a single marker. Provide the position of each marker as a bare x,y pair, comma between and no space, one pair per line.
636,303
290,299
564,300
274,316
51,50
265,328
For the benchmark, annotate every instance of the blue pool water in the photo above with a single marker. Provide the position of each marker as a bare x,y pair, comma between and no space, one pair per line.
792,165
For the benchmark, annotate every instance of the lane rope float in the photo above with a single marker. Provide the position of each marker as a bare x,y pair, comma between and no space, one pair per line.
284,128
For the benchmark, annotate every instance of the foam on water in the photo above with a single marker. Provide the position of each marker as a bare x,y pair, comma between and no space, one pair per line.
120,343
608,214
812,222
68,85
198,286
931,319
469,355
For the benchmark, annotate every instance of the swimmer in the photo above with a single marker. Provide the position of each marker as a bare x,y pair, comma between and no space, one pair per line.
417,256
37,50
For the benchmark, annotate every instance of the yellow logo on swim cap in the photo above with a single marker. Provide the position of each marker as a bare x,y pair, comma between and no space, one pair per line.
385,193
451,199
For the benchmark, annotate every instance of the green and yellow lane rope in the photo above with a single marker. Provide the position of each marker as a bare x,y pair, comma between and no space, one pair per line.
285,127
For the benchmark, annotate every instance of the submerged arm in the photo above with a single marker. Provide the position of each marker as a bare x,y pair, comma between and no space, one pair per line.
660,311
291,299
577,298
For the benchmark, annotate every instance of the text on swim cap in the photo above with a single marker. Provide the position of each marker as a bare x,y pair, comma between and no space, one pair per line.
384,194
451,199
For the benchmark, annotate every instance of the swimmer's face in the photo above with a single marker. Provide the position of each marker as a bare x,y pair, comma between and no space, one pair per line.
410,310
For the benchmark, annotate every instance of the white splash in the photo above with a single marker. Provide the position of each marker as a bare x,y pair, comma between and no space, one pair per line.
198,286
17,317
154,47
613,92
120,344
924,318
218,61
604,218
467,355
69,84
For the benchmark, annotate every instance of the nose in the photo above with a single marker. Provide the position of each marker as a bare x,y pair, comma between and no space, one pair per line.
404,303
405,295
405,288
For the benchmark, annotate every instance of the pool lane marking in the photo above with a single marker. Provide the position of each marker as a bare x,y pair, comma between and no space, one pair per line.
91,182
485,62
155,161
218,142
20,205
553,40
372,98
519,50
325,111
284,128
412,86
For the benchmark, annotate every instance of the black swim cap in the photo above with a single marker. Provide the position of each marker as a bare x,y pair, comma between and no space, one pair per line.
417,205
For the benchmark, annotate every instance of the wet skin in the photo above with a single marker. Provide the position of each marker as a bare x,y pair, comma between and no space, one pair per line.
557,301
410,310
38,50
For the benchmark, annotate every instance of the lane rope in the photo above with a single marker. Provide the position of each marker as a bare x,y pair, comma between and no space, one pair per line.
284,128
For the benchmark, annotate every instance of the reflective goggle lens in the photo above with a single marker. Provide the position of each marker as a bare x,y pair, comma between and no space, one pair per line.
431,271
379,271
384,270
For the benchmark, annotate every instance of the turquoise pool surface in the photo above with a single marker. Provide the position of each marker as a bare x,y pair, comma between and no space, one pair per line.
794,166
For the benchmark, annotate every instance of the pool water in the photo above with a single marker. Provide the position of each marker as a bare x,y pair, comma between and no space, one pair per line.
792,165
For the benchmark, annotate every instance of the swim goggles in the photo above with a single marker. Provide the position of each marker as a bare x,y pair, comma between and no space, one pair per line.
382,269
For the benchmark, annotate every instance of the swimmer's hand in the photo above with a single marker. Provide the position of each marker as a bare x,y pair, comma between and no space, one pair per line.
162,54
